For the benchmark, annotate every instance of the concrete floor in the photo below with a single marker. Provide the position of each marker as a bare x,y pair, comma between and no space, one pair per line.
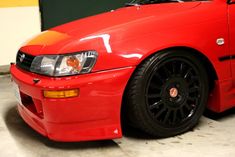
211,138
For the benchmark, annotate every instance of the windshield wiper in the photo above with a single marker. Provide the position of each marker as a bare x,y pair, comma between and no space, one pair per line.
152,2
131,4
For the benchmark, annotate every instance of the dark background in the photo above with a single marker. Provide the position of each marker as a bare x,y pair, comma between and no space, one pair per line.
56,12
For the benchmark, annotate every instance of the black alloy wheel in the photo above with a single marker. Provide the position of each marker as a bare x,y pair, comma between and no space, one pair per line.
167,93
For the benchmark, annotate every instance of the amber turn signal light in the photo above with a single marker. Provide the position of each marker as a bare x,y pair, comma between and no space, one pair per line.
61,93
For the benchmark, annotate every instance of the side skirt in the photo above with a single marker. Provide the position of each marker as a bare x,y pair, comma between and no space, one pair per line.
222,97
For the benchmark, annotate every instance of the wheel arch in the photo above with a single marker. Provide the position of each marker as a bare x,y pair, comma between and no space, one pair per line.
212,74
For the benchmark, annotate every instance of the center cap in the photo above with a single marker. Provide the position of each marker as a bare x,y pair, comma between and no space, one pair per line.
173,92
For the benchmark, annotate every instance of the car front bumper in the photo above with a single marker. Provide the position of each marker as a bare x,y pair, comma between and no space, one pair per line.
93,115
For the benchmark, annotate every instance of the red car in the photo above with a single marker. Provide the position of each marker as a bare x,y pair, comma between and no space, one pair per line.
154,63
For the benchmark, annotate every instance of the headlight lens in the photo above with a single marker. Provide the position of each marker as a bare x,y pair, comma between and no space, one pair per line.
64,65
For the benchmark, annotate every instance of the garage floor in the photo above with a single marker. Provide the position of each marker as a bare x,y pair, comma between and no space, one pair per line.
211,138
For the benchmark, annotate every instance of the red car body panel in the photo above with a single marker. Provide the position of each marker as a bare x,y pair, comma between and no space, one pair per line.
92,115
123,39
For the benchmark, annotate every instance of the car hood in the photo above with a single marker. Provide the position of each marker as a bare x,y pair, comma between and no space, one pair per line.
123,17
117,25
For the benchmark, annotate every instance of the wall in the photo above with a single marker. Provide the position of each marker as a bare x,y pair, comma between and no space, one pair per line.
56,12
20,20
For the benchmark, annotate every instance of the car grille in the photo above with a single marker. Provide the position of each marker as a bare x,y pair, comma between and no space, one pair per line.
24,60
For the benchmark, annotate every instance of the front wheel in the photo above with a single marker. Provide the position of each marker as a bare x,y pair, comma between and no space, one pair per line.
167,93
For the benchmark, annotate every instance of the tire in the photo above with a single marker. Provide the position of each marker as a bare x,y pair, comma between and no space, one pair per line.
167,93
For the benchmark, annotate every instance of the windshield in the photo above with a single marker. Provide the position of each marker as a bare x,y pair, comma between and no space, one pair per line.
141,2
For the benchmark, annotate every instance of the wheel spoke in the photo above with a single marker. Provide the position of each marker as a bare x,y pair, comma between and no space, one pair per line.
196,102
187,73
181,68
159,77
174,116
174,68
189,107
151,96
181,113
160,112
191,98
156,105
154,85
193,89
167,72
167,116
193,79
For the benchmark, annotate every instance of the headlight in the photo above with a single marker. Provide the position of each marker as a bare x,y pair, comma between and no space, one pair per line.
64,65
